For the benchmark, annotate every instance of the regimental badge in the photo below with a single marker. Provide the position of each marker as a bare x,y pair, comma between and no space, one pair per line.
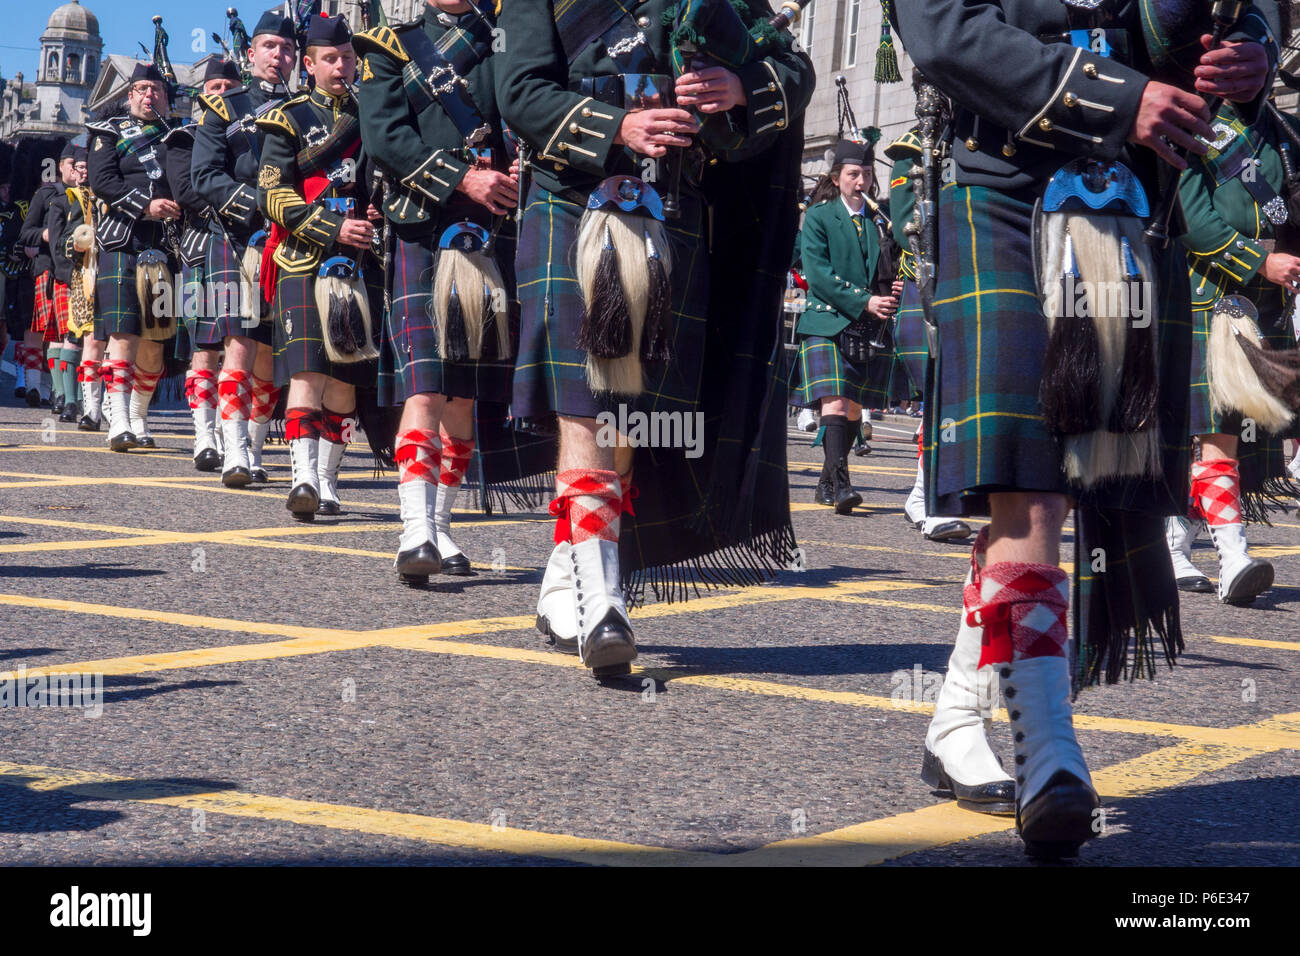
268,177
131,130
316,136
99,144
1223,135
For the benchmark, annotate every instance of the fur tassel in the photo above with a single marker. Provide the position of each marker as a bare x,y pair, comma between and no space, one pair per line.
1070,390
656,343
455,338
153,286
1135,408
606,330
336,323
345,319
1235,384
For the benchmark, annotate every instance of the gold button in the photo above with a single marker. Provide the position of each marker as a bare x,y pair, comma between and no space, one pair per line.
428,175
562,146
1045,125
972,144
1069,99
777,107
586,111
771,87
573,128
1008,150
1090,70
402,216
780,124
441,164
559,167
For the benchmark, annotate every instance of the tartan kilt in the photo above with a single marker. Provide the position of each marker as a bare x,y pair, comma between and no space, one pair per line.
186,324
409,363
823,373
43,301
911,349
299,337
117,307
984,430
222,276
56,329
550,370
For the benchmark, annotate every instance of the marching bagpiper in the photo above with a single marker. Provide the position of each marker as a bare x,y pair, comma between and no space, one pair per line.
225,164
43,334
448,340
319,267
138,241
68,348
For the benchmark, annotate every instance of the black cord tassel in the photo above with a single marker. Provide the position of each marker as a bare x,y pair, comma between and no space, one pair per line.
1135,407
606,330
457,344
488,348
656,345
356,323
337,324
1070,390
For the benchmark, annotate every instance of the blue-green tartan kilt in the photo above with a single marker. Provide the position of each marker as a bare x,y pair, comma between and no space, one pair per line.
911,350
224,283
191,284
823,373
409,363
299,336
550,370
984,429
117,307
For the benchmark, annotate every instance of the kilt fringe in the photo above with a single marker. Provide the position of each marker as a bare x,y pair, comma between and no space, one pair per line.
1273,495
527,493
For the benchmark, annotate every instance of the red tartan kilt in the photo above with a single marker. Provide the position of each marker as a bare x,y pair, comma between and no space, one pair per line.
56,330
43,303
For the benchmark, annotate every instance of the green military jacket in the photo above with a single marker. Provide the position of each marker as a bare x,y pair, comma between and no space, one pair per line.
839,265
572,134
1228,233
422,153
904,151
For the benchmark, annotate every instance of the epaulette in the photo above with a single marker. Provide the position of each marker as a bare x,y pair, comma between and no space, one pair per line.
277,119
23,206
106,127
909,144
380,39
216,104
177,133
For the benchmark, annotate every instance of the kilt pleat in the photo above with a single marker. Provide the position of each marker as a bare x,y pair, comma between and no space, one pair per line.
224,295
299,336
823,373
911,349
550,370
57,328
409,363
43,301
117,307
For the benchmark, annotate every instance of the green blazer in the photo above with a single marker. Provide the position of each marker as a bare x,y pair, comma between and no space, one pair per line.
839,265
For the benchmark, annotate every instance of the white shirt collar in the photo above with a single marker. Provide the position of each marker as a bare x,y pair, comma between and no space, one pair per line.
860,212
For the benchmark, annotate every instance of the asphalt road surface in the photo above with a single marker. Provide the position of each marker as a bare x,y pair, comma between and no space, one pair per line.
273,695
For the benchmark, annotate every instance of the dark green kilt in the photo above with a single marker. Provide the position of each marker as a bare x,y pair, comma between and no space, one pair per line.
550,371
187,322
823,373
117,307
299,337
224,281
409,363
911,350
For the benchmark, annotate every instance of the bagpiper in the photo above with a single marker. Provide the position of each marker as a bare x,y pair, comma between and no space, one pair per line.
40,338
1058,132
13,268
68,348
1241,241
227,148
448,340
138,242
320,268
623,306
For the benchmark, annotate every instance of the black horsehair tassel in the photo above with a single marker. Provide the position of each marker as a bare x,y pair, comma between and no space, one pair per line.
1135,406
338,324
457,338
1071,385
488,349
357,323
606,330
655,343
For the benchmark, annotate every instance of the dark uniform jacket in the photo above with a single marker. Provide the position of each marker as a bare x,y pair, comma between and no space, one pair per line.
839,265
1022,110
293,136
12,258
56,222
196,211
34,225
572,133
422,153
128,162
227,146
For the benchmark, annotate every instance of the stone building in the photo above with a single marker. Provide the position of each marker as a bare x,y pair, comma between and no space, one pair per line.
71,54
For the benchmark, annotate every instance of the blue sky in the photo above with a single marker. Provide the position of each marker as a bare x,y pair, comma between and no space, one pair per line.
123,24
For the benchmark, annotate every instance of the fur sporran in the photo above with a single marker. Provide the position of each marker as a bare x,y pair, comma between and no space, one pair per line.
344,314
469,307
624,267
1246,376
154,288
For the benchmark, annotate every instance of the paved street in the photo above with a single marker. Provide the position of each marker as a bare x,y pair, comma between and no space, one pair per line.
272,694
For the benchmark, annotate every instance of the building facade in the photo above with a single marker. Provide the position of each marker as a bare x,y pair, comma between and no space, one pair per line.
55,104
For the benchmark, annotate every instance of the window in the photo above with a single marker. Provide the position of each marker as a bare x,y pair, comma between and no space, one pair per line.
851,33
52,67
806,28
72,70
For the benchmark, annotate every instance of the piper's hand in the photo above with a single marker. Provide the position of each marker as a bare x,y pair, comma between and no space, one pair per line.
882,306
31,251
356,233
714,89
45,235
1235,71
487,187
373,214
1168,113
163,209
1282,269
651,132
898,289
514,170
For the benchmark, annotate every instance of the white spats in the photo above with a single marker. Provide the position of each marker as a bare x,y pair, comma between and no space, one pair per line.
595,583
329,457
418,500
1037,693
556,601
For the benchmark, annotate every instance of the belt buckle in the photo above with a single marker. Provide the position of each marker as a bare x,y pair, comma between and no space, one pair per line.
628,194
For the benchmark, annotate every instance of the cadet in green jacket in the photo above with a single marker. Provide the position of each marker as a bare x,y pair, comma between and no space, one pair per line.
1230,241
838,368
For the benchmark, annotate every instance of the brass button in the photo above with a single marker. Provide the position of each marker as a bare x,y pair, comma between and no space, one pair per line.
586,111
573,128
771,87
1045,125
1069,99
643,22
1008,150
972,143
1240,244
777,107
1090,70
562,146
441,164
559,167
428,175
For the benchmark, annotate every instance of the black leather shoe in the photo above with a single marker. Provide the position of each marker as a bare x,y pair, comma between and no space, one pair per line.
457,566
87,424
236,478
1197,583
123,442
33,398
609,649
846,499
69,413
567,645
303,502
415,566
20,391
998,798
1059,819
259,475
861,449
57,402
328,508
208,460
949,531
148,442
825,492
